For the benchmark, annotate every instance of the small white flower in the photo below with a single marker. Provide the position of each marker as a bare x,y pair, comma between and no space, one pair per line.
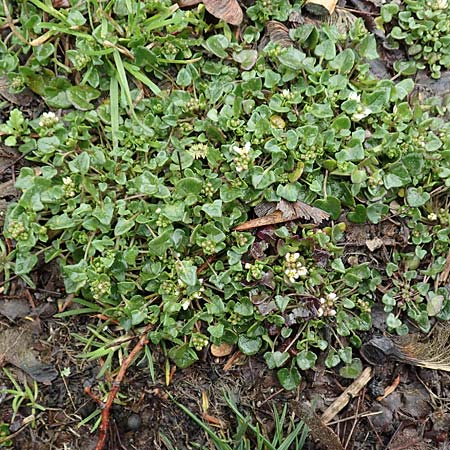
67,181
320,312
362,113
185,305
247,266
432,216
322,300
302,271
331,296
48,119
354,96
332,312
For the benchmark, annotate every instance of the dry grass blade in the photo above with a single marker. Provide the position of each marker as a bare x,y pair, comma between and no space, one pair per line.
431,351
227,10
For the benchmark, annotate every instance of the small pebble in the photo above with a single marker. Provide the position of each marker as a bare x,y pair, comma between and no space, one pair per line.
134,422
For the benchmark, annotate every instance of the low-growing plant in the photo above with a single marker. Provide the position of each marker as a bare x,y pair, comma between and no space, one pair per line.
25,396
248,436
424,27
137,190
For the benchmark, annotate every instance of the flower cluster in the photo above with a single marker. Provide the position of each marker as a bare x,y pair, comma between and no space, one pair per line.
294,268
243,158
100,288
199,151
69,187
199,341
17,231
48,119
255,271
327,307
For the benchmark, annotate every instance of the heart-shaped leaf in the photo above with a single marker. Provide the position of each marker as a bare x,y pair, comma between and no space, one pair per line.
359,215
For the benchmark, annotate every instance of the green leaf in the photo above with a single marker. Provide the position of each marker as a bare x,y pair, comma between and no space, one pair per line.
416,197
213,209
183,356
25,263
389,11
331,205
292,58
358,215
289,378
367,48
184,77
352,370
326,50
344,61
275,359
249,346
123,226
188,273
217,45
332,359
160,244
306,359
81,163
81,97
376,211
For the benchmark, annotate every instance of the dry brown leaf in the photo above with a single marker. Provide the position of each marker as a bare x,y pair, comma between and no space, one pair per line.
283,212
227,10
57,4
221,350
279,33
187,3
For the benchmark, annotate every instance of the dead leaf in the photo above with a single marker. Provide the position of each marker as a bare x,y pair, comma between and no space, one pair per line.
227,10
58,4
221,350
7,189
373,244
279,33
14,308
319,431
284,212
16,349
187,3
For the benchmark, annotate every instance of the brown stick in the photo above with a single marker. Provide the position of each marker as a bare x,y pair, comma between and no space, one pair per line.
106,407
320,7
347,395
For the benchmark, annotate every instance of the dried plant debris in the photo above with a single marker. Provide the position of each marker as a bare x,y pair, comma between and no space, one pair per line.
16,349
320,7
279,34
226,10
430,351
321,433
271,213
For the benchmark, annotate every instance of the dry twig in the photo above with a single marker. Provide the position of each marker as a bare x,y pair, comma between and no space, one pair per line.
347,395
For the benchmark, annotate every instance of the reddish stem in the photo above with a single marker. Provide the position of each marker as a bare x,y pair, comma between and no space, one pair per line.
106,407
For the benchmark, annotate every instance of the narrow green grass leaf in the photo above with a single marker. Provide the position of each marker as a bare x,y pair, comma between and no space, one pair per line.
49,10
122,78
114,111
136,73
